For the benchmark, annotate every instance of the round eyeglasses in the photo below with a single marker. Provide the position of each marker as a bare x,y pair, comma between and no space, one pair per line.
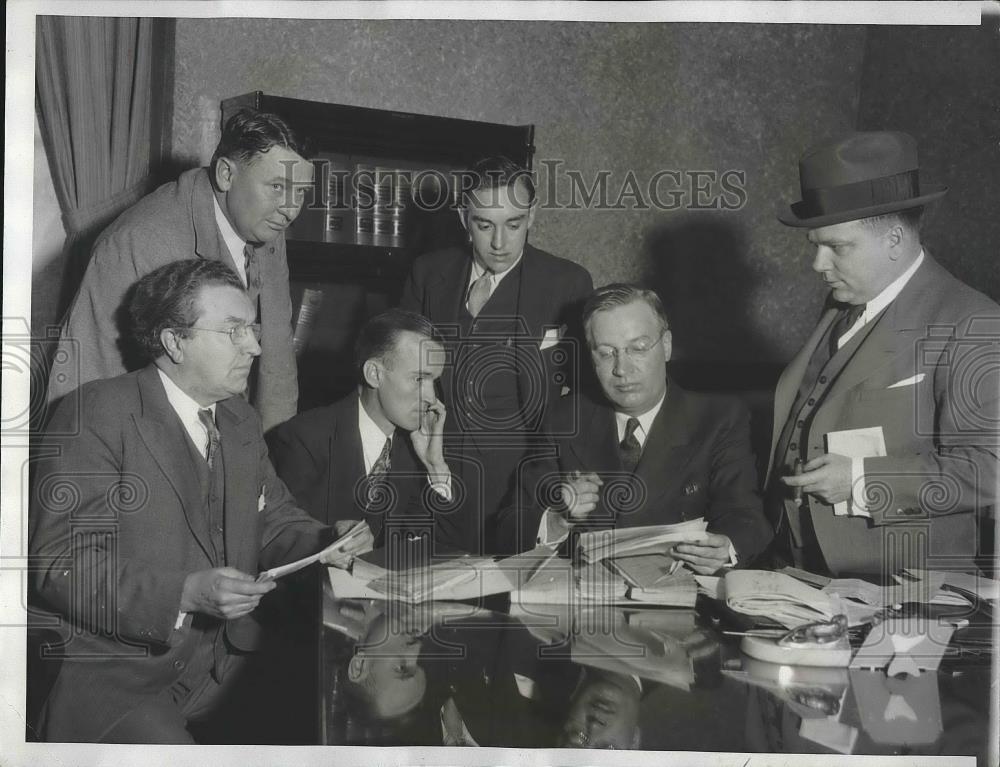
237,333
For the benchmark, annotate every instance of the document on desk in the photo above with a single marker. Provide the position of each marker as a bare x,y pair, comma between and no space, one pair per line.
632,541
779,597
855,443
292,567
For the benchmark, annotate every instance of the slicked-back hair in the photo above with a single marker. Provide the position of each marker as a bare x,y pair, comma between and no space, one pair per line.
167,298
249,133
380,335
621,294
495,173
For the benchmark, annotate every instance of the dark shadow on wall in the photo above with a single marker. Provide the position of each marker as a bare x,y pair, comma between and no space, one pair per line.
701,270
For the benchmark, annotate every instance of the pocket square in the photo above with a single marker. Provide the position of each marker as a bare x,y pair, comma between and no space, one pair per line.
908,381
551,338
261,500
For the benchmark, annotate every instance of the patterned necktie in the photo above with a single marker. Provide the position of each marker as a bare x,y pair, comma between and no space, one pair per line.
630,448
844,322
252,266
212,449
379,472
479,293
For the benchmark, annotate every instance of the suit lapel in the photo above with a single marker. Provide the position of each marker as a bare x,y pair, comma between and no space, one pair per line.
240,451
445,299
207,240
671,430
352,453
167,441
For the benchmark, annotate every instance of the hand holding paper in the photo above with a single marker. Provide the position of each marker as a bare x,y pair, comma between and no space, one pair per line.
355,538
705,557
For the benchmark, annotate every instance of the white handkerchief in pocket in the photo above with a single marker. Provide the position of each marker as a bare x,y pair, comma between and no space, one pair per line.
551,337
908,381
261,500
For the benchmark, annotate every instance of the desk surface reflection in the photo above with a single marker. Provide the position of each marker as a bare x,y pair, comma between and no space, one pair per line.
588,677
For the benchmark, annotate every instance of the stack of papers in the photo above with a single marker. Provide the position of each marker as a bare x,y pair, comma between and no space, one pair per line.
780,598
597,545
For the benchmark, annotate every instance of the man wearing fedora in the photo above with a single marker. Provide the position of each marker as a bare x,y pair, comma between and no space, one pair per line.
884,448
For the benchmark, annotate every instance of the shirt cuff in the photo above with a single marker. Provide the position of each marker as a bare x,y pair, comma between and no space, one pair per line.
441,486
733,559
553,528
857,506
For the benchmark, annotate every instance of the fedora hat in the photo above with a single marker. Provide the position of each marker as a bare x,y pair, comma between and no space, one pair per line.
860,175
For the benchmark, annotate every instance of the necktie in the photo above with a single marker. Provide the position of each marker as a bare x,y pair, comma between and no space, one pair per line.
379,472
479,293
844,322
252,266
630,448
208,421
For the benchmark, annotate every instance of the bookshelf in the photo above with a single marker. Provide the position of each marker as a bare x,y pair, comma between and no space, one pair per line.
348,260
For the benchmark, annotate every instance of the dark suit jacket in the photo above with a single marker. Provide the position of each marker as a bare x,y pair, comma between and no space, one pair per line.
940,470
175,222
319,457
551,292
696,462
117,524
490,425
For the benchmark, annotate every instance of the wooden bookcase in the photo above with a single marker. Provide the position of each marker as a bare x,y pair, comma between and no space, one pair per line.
360,274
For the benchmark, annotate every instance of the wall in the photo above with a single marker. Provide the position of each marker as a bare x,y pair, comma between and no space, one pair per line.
954,112
617,97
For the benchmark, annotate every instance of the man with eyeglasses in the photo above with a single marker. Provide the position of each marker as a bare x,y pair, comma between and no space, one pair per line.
152,514
643,451
235,211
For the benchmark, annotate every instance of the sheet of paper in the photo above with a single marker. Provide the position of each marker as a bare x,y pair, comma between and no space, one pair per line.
292,567
855,443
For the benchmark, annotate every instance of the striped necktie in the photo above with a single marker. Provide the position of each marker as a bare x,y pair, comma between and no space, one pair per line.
631,450
214,440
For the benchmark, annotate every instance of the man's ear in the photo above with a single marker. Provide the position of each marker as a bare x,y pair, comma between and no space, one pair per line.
225,171
170,341
531,213
356,668
372,372
668,344
894,238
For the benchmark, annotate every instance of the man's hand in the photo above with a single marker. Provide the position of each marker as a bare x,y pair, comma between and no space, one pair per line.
361,543
828,477
428,441
224,592
705,557
580,494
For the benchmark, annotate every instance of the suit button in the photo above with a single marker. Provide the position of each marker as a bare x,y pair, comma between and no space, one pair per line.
822,379
179,664
811,401
793,446
800,424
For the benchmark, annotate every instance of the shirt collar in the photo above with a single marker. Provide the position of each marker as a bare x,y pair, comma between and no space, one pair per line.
892,290
645,421
372,437
234,243
185,407
478,271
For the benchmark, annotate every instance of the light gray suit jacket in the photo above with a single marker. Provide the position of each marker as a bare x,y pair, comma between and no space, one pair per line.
940,429
175,222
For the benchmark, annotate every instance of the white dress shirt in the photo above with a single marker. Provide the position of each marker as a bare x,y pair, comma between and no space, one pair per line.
856,505
187,410
234,243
